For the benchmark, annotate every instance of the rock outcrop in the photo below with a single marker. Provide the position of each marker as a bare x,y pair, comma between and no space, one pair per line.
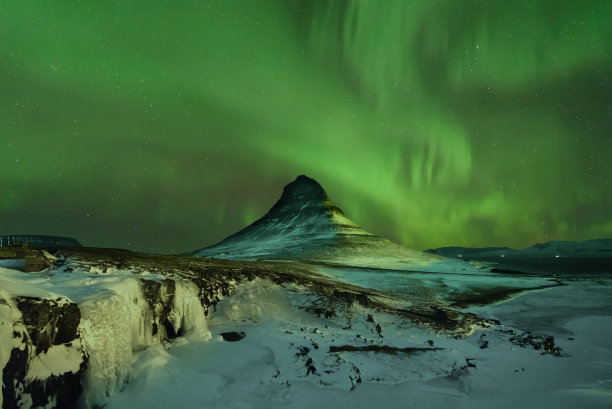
47,361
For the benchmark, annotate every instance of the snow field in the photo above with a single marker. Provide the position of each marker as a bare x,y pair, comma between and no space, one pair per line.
285,358
269,367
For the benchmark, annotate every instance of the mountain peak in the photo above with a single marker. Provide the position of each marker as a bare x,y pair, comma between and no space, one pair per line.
303,218
303,189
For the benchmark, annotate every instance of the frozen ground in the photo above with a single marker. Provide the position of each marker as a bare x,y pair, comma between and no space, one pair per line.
270,367
287,343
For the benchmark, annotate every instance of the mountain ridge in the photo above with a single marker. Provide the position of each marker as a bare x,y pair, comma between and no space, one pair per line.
555,248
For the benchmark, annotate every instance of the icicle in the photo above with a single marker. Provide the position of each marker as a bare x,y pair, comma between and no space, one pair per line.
116,326
188,315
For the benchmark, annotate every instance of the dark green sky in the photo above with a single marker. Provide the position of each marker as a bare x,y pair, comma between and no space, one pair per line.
166,126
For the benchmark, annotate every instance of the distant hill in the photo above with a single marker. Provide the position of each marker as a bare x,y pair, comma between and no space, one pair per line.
588,248
18,239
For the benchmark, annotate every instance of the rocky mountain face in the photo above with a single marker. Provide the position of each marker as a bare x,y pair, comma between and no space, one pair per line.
305,225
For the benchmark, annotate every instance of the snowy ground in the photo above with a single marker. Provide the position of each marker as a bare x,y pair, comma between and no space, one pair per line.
343,357
269,367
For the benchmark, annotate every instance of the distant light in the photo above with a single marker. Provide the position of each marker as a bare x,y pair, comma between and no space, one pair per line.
460,255
502,255
557,256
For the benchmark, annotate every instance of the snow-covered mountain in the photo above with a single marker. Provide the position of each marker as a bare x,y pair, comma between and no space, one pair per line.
305,225
588,248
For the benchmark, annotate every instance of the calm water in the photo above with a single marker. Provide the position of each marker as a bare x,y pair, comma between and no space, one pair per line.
573,266
529,272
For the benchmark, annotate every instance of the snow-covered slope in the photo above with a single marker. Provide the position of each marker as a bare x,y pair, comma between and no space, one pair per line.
69,333
588,248
305,225
115,329
360,358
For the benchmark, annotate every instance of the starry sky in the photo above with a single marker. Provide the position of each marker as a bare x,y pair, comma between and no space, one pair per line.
165,126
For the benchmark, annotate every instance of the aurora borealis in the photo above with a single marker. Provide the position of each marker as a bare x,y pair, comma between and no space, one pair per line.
167,126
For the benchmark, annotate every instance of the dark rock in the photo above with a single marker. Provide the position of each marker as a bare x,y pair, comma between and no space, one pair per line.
303,351
48,322
160,298
439,315
354,376
13,375
232,336
310,368
349,297
546,344
379,348
303,189
65,387
34,262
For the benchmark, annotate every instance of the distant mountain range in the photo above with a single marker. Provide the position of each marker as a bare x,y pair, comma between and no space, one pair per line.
37,239
305,225
588,248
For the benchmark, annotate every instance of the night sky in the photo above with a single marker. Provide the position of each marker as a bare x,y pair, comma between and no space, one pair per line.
165,126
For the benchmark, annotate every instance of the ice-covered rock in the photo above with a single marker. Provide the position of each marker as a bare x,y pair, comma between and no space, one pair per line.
68,337
40,351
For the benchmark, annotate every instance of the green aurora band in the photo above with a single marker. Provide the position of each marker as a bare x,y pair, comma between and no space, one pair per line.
166,126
